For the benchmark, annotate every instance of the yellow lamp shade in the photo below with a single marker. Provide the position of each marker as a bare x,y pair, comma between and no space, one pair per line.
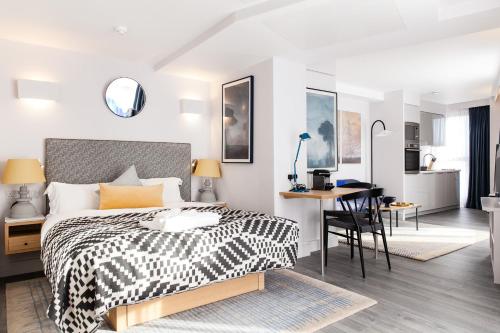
23,171
207,168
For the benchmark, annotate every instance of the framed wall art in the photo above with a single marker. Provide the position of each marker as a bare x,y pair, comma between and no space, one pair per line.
322,118
351,137
237,121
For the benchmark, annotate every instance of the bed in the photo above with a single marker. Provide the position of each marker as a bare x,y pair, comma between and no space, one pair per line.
103,264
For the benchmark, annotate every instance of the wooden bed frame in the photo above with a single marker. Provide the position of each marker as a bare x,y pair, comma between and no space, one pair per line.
125,316
79,162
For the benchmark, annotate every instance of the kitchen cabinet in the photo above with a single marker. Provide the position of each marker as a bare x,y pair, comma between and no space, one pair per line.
432,129
434,190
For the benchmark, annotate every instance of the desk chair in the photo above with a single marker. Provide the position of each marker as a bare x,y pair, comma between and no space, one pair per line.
353,183
357,222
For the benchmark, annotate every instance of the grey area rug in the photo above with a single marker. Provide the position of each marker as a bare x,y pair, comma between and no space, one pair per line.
291,302
430,241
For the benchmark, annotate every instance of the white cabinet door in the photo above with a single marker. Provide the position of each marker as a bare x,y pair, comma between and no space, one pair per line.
447,195
432,190
415,190
455,188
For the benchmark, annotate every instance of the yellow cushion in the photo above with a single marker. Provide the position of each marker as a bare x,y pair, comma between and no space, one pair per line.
114,197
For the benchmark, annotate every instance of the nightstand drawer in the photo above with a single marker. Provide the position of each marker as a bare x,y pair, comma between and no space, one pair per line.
24,243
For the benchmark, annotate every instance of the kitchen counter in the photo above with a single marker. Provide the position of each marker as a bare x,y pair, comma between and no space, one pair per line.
440,171
435,190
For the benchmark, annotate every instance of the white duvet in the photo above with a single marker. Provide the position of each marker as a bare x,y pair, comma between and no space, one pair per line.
53,219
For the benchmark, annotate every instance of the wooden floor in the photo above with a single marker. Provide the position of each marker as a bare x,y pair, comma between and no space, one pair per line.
453,293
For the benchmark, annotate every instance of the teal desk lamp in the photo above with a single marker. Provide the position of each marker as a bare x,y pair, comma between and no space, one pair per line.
298,187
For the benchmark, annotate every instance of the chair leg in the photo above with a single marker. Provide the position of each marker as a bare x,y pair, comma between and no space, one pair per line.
360,246
352,244
385,248
347,234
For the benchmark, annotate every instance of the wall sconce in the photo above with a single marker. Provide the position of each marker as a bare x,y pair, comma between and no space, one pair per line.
43,90
192,106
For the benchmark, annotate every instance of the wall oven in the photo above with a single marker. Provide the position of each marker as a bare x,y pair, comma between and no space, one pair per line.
412,160
412,147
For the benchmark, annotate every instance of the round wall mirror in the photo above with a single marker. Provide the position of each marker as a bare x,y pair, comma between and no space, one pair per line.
125,97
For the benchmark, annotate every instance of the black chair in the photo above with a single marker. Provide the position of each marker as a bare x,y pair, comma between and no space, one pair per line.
352,183
357,222
356,184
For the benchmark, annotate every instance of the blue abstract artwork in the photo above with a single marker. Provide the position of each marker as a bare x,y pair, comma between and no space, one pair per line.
322,149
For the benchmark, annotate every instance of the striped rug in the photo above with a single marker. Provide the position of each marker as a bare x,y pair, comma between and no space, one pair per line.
429,242
291,302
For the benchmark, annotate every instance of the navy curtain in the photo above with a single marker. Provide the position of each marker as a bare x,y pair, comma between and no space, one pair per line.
479,163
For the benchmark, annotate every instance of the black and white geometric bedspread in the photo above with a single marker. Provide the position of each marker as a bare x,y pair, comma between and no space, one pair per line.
96,263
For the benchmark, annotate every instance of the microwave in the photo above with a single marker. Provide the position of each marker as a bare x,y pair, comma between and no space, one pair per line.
412,135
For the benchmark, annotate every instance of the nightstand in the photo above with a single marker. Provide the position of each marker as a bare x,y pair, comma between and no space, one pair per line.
23,235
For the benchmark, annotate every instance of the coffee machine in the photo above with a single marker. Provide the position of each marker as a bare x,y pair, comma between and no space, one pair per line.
321,180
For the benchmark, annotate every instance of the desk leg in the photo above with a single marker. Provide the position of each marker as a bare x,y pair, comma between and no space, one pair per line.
390,222
416,217
397,219
321,237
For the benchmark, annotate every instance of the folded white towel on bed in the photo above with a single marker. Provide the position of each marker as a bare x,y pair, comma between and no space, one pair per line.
177,220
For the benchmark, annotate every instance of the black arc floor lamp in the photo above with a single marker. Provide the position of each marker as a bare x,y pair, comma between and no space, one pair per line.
385,132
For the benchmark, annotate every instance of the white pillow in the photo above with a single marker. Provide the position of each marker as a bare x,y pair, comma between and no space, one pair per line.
67,198
171,188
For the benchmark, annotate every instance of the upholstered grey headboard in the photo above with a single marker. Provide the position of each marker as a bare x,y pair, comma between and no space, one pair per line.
78,161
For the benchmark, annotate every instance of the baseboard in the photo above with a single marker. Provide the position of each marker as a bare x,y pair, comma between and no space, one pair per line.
21,277
306,248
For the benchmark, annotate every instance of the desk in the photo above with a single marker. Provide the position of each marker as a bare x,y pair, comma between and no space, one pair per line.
337,192
396,209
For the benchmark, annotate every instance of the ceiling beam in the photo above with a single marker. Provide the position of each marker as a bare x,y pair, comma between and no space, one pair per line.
261,8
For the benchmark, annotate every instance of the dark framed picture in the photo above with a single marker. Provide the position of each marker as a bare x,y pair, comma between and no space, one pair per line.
237,121
322,125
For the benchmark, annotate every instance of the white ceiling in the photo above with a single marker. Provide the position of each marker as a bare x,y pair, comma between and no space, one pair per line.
424,45
460,68
155,27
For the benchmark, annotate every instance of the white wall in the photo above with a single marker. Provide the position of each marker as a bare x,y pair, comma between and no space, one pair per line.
388,159
467,105
433,107
290,119
360,171
244,185
279,118
81,113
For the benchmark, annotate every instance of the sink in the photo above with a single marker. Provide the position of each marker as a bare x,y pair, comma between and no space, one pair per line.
490,204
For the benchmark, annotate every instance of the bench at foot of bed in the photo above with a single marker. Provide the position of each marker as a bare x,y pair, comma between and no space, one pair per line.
125,316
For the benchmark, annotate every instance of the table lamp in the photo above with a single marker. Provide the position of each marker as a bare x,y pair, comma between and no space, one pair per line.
23,172
208,169
295,186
